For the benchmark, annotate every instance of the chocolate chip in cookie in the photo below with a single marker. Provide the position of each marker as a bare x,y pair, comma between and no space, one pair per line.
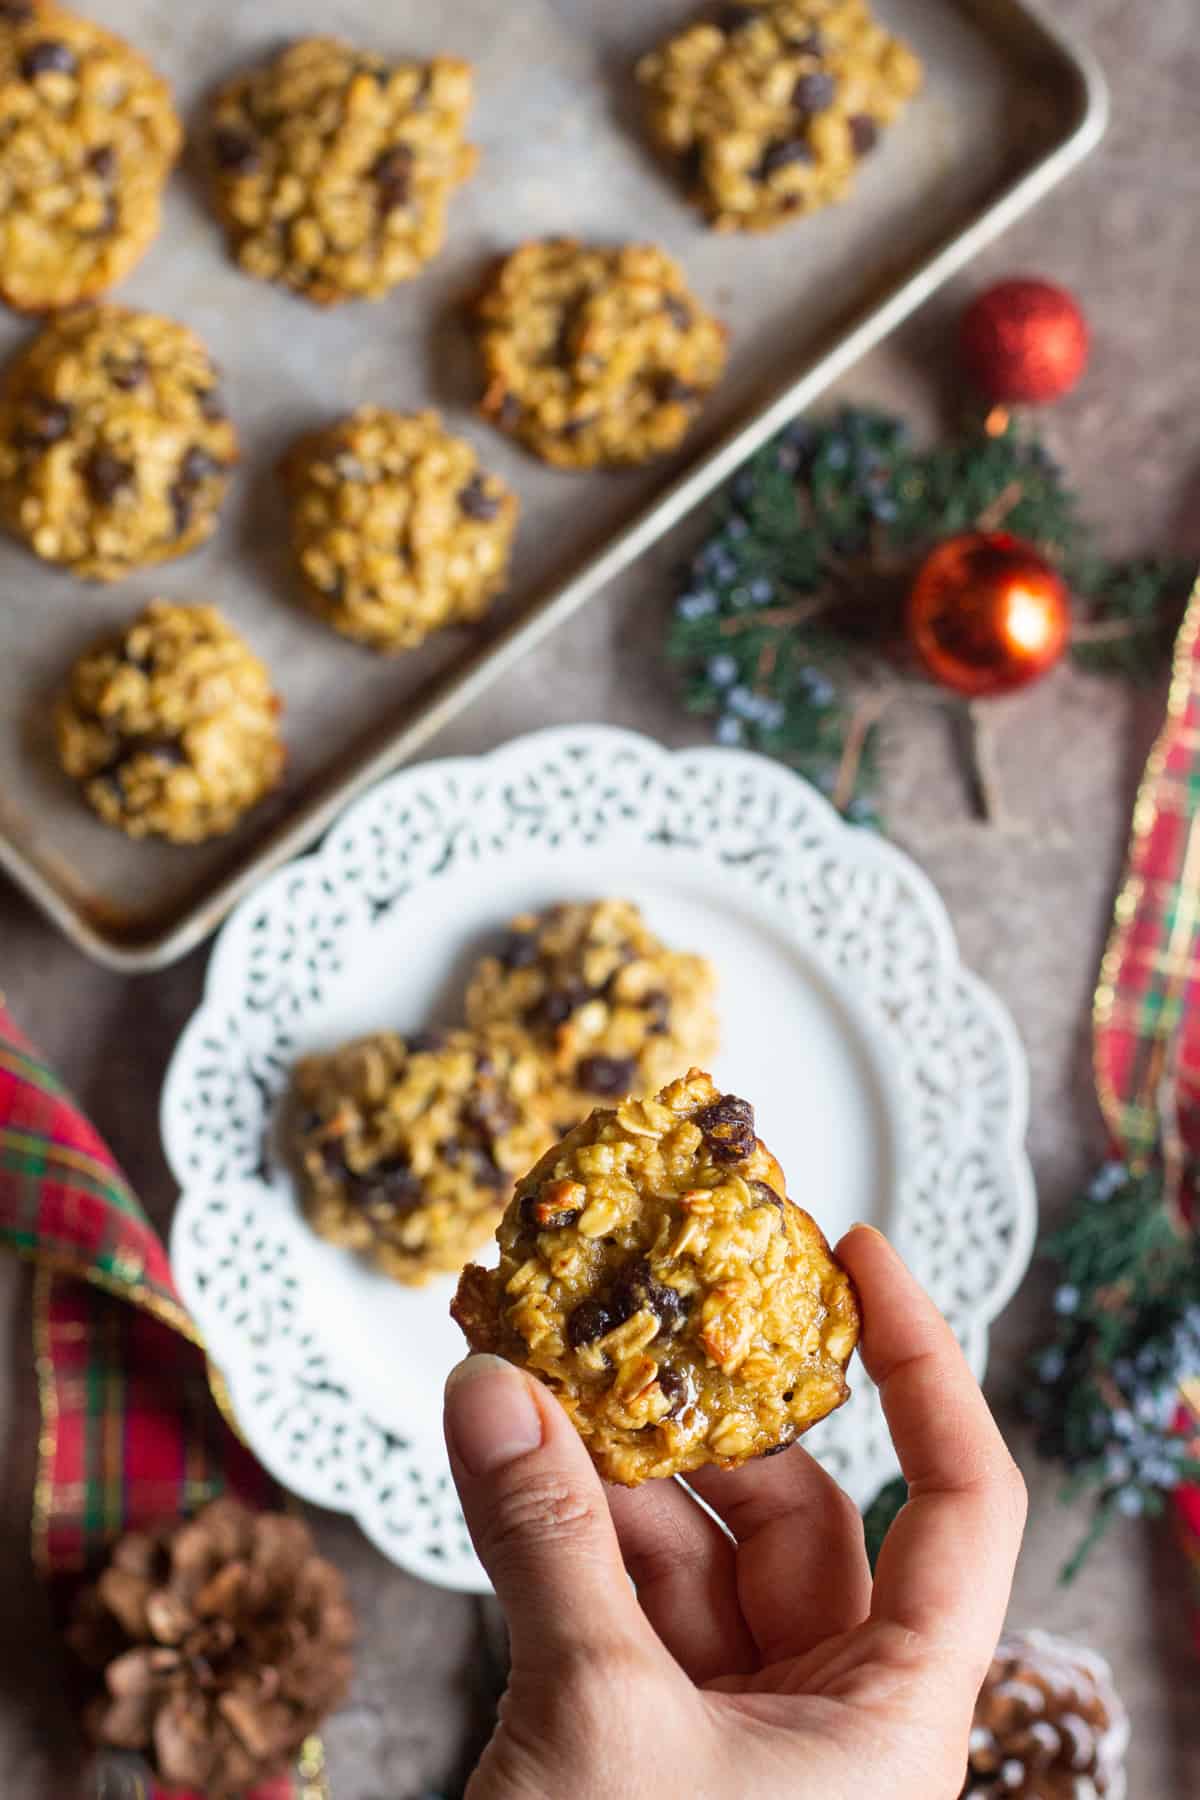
814,93
49,57
477,500
107,476
782,153
236,151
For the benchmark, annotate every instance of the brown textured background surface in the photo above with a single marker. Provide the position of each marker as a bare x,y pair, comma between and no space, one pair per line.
1030,906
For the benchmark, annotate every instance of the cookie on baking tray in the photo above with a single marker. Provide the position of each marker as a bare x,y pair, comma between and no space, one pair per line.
767,107
171,727
397,529
595,356
88,137
333,167
115,449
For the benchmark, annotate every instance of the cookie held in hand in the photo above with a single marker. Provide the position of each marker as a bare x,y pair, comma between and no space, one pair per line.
654,1274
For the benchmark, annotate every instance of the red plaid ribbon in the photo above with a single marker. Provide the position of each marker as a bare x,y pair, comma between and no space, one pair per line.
131,1433
1147,1008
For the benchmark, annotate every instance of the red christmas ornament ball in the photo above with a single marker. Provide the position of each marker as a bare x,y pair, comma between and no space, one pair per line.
1025,342
988,614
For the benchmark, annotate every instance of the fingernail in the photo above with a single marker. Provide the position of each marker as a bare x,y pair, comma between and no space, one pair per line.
861,1225
491,1416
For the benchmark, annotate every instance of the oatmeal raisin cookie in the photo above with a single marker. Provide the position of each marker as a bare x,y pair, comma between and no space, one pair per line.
769,106
171,728
611,1009
88,137
408,1148
654,1274
595,356
334,167
115,449
397,529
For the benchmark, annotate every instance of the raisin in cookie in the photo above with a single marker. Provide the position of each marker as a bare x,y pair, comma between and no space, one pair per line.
408,1149
115,451
397,529
611,1009
595,356
654,1274
172,727
333,167
88,136
770,105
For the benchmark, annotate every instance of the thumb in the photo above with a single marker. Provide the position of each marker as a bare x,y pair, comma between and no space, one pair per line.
538,1518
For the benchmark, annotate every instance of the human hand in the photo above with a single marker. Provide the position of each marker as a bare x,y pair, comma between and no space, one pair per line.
767,1667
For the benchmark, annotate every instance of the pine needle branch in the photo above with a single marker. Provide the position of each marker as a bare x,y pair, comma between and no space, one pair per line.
791,613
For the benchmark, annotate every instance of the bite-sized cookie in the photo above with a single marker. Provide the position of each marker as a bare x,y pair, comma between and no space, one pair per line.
770,105
407,1149
654,1274
333,167
595,356
88,135
397,529
171,727
115,450
612,1010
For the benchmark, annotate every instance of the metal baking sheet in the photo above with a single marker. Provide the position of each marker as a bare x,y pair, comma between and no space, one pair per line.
1008,108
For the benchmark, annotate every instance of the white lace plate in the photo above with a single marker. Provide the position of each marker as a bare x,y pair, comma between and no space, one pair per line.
889,1082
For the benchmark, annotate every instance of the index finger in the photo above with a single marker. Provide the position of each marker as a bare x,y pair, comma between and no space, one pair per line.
947,1564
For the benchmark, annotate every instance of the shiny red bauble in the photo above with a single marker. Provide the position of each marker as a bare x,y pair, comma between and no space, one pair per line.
988,614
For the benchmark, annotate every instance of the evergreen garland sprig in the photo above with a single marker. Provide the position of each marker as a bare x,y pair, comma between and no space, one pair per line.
881,1515
1110,1384
789,626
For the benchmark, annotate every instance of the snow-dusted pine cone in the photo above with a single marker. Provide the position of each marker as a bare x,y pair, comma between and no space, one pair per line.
1049,1725
221,1644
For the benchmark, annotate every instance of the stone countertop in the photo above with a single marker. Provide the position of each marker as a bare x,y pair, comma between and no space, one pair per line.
1030,904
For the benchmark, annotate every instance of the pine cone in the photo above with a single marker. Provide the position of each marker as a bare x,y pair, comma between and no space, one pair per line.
1049,1725
222,1644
